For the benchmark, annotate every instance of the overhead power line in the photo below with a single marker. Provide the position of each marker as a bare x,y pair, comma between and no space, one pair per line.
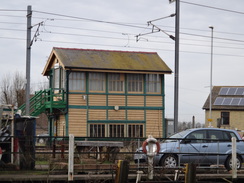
216,8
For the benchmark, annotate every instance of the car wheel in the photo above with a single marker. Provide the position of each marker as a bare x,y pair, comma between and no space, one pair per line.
41,141
228,163
169,161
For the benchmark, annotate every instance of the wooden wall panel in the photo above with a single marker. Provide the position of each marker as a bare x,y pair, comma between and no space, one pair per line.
97,114
76,99
135,114
97,100
116,115
135,100
154,101
61,125
154,123
114,100
77,122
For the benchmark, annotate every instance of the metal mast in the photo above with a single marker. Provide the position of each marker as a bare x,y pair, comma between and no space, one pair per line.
28,59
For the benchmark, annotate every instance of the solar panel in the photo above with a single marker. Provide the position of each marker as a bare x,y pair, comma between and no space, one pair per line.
231,91
223,91
218,101
235,101
240,91
241,102
227,101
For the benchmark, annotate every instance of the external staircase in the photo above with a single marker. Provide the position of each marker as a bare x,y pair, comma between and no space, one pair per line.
45,101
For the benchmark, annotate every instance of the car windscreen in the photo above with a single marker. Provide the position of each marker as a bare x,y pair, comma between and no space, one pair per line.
176,136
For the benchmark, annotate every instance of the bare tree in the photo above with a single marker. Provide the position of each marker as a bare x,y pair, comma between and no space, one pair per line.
18,88
6,90
13,89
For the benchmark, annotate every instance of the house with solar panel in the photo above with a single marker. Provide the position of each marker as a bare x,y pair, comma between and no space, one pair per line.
227,108
102,93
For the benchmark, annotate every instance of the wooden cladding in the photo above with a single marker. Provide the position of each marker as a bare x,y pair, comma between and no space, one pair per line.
116,115
95,114
97,100
135,114
61,126
154,101
77,99
154,123
135,100
116,100
77,122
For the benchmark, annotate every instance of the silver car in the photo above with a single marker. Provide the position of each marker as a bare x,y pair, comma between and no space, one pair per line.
201,146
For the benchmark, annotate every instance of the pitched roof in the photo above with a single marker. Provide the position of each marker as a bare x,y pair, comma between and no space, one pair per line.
217,92
107,60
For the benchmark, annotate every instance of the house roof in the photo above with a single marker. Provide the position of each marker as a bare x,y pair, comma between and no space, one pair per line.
226,98
122,61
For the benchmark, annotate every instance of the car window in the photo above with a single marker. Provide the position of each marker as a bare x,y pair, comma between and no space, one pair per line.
216,135
197,136
233,135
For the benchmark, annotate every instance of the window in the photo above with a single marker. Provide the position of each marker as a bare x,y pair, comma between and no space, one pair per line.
116,130
197,136
135,82
96,81
153,83
116,82
225,118
56,77
97,130
77,81
218,135
59,76
135,130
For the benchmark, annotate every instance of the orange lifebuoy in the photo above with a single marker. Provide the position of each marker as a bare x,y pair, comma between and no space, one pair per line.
145,143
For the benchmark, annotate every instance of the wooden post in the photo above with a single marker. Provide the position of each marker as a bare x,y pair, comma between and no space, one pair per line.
71,158
234,168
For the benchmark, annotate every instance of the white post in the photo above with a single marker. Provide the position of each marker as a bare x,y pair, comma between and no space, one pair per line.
150,154
234,168
71,158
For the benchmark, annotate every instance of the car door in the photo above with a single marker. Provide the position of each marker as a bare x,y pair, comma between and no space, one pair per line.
219,145
193,146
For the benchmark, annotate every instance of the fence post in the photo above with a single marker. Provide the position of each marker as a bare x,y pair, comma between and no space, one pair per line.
71,158
234,168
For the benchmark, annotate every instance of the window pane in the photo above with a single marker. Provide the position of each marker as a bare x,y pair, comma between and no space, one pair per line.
135,130
77,81
116,130
96,81
135,82
115,82
225,116
153,82
56,78
97,130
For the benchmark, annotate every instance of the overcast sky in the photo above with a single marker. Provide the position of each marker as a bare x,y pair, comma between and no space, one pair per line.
113,25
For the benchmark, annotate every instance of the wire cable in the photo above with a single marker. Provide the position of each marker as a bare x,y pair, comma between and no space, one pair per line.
211,7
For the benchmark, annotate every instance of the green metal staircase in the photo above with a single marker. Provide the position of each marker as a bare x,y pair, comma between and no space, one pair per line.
45,101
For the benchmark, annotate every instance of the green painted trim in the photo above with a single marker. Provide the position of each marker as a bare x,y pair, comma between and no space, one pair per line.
123,94
67,124
164,130
145,102
112,107
106,88
115,121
